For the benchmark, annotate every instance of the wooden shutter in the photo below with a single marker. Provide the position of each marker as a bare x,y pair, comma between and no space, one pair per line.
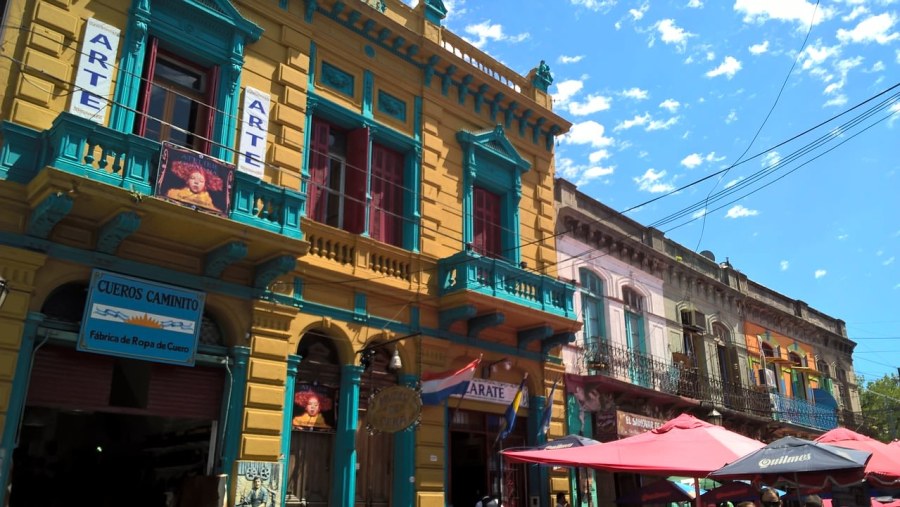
356,182
318,171
486,222
385,222
212,87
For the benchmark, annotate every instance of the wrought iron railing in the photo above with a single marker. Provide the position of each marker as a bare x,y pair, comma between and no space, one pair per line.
654,373
468,270
802,412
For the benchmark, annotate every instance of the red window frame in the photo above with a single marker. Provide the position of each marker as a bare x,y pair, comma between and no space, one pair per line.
486,230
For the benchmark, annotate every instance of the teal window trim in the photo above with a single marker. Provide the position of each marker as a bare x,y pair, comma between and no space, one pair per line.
634,328
410,147
490,161
593,308
217,39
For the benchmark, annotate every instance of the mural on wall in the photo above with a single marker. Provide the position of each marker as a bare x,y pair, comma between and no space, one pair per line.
257,484
314,408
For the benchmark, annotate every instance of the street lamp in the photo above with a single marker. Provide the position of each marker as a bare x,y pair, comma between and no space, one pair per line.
4,290
714,417
491,367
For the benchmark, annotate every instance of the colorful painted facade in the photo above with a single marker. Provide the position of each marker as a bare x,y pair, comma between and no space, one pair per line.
228,226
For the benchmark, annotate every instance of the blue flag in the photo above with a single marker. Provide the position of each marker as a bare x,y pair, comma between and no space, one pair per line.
548,412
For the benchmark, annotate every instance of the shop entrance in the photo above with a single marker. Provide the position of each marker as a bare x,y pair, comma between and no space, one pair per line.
104,459
475,465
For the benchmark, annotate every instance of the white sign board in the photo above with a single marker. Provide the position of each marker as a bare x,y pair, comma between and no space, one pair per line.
494,392
254,131
93,79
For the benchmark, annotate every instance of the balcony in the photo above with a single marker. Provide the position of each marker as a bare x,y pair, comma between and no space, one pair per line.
491,285
86,149
802,413
675,379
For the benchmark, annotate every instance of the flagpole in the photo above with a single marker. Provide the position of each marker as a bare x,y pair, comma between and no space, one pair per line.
461,398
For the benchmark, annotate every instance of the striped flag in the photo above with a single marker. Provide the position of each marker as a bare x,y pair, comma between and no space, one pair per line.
509,418
437,387
548,412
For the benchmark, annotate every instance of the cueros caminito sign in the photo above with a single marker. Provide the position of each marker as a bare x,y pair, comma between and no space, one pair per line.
135,318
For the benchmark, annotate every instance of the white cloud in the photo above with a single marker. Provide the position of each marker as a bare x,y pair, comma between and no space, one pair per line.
732,116
691,161
594,5
877,66
485,32
635,93
871,29
637,121
565,90
842,237
661,124
797,11
650,182
699,213
670,105
838,101
695,4
897,53
590,133
784,265
591,104
758,49
563,59
729,67
770,159
733,182
597,156
857,11
670,33
820,273
581,174
815,54
738,211
638,13
888,261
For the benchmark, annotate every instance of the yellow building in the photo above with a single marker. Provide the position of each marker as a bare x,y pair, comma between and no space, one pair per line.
228,228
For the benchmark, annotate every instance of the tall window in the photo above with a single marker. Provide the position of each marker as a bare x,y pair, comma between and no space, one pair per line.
798,380
592,307
771,379
486,223
177,101
634,321
339,174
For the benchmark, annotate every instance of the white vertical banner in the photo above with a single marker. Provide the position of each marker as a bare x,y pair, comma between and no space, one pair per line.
254,132
93,79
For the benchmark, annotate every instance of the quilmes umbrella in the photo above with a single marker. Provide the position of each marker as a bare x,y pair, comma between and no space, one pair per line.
566,442
800,462
883,469
733,492
664,491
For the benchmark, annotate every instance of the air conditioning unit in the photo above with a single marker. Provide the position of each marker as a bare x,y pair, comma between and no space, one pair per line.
693,320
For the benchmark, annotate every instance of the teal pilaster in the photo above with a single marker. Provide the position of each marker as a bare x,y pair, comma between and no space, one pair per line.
131,63
404,458
17,399
538,476
234,409
343,479
293,362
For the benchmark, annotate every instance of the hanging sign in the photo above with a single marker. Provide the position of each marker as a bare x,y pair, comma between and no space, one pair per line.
393,409
140,319
93,79
254,130
492,391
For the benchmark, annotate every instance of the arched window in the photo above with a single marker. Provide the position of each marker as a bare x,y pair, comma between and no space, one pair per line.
798,379
592,307
634,335
772,379
729,365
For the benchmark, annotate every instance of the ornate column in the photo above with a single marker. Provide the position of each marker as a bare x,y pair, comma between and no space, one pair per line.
293,363
404,457
343,479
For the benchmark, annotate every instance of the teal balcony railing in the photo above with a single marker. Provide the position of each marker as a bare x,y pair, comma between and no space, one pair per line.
84,148
501,279
803,413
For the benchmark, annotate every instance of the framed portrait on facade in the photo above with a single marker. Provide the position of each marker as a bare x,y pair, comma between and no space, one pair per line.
314,408
194,180
257,484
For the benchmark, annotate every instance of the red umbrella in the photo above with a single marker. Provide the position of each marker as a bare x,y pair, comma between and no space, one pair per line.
683,446
883,467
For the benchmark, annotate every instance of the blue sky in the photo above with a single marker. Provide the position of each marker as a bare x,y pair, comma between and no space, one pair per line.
664,93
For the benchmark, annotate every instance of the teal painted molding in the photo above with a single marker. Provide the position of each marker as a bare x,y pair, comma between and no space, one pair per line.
293,364
538,476
391,106
464,88
523,121
479,97
360,313
447,317
428,70
234,408
48,213
313,59
414,319
536,129
557,340
267,206
343,479
447,80
509,113
403,487
298,292
311,6
479,323
495,106
115,230
271,269
542,78
222,257
18,392
20,154
435,12
337,79
526,336
131,62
